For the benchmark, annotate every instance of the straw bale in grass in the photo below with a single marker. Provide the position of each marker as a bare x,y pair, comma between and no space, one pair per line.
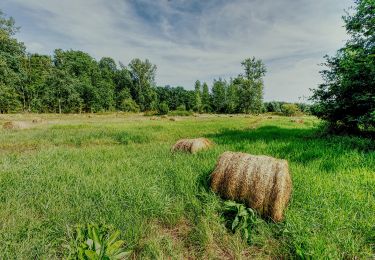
192,145
263,183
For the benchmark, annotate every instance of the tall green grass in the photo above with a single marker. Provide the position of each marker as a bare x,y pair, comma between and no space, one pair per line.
118,170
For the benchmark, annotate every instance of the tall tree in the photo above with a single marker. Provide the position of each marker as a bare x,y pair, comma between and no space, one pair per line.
143,77
62,95
198,97
12,76
251,86
219,95
232,102
206,99
37,68
123,85
347,97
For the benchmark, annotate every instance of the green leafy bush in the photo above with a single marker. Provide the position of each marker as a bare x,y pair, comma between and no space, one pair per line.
129,105
239,219
346,98
163,108
181,108
97,242
290,109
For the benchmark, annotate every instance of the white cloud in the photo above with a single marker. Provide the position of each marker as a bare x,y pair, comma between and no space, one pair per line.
191,40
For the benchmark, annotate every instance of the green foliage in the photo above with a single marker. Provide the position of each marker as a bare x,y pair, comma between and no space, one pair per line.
273,106
347,98
198,97
304,108
250,86
254,69
163,108
97,242
240,219
181,108
9,101
176,97
219,95
143,78
180,111
232,99
290,109
7,24
206,99
129,105
12,55
37,68
277,107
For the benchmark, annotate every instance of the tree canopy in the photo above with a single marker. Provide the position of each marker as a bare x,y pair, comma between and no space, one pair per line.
347,97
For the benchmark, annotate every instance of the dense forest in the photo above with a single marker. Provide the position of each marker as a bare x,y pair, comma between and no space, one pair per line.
72,81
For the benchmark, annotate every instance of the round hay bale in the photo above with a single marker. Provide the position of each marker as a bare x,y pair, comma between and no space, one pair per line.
192,145
263,183
15,125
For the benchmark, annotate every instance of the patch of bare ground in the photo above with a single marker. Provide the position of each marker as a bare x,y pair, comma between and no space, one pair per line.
16,125
203,241
18,148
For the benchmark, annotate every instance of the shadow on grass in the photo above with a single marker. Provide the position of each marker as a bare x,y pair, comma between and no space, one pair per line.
298,137
301,146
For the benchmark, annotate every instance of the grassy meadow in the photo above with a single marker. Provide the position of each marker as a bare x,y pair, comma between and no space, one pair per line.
117,169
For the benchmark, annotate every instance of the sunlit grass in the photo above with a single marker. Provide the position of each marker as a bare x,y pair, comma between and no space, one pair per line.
118,169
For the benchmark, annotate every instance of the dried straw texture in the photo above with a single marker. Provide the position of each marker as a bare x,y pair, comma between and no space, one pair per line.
192,145
263,183
16,125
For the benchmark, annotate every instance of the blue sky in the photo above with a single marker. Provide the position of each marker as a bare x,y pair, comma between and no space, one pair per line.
192,39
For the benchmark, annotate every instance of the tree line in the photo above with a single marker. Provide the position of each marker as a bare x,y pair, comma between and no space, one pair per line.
72,81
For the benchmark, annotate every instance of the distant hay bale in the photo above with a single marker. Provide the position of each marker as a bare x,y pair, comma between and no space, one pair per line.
192,145
263,183
15,125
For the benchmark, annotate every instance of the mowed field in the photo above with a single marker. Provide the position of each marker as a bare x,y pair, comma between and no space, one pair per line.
117,169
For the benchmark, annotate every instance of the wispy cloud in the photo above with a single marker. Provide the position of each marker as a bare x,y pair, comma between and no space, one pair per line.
193,39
